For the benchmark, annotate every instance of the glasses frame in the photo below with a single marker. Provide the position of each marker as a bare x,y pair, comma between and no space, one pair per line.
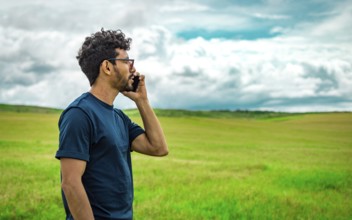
131,61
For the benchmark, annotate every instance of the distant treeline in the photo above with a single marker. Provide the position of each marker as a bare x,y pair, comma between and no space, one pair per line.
215,113
166,112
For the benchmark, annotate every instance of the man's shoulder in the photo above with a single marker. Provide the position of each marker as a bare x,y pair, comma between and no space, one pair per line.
121,114
86,103
118,111
80,104
80,101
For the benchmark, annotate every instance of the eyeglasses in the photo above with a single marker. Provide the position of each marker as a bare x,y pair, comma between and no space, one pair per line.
125,60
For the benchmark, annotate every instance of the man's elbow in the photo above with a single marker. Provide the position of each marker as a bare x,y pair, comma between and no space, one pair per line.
69,186
163,151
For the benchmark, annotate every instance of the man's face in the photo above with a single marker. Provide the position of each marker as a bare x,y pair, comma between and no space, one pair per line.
123,71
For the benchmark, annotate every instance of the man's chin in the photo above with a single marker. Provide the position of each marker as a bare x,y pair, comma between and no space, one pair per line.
128,88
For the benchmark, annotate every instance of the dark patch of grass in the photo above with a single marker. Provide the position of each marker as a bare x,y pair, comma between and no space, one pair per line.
27,109
173,113
248,114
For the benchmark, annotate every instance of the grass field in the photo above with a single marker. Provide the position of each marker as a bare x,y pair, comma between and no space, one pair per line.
281,166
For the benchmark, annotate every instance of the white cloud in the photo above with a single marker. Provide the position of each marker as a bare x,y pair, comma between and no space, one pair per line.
307,67
229,73
39,67
186,6
271,16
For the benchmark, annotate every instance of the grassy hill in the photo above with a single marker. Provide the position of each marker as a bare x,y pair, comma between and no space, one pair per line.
290,167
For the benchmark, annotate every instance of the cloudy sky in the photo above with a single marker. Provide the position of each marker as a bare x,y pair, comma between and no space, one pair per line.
281,55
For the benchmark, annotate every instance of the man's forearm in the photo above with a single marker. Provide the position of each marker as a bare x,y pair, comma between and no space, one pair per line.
152,127
78,202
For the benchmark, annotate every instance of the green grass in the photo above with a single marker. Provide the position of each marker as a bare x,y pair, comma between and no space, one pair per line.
288,166
29,186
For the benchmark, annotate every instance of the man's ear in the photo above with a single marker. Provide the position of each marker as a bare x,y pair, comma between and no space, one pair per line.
106,67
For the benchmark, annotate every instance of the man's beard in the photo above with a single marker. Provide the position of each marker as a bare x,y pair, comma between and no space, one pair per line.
126,87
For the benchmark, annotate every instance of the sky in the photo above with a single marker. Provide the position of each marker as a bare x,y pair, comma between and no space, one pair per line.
276,55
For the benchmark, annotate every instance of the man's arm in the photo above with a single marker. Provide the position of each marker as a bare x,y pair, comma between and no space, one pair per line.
153,141
76,196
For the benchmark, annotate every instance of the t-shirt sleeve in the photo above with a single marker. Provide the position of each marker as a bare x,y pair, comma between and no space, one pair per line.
134,130
75,132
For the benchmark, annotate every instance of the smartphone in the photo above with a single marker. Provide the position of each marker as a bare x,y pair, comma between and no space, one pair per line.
135,83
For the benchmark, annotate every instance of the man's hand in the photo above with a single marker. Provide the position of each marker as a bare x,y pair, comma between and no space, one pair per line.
141,92
153,141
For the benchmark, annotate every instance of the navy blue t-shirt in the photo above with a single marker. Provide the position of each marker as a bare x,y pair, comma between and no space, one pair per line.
94,131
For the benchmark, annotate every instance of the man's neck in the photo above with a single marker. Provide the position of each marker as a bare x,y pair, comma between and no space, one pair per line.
106,95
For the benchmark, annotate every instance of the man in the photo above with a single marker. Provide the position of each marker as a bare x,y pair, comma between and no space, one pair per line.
95,139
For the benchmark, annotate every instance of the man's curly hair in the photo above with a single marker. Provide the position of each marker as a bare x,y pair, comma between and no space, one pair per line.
98,47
